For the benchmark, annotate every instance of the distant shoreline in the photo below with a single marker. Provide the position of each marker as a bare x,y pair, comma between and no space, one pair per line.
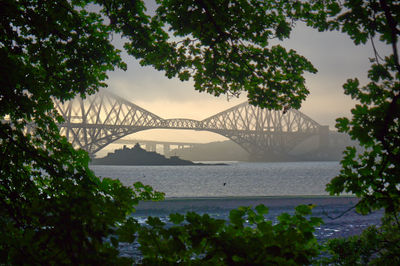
144,164
231,202
258,197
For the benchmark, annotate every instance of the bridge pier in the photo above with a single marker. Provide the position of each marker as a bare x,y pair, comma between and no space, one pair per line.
323,133
166,150
150,147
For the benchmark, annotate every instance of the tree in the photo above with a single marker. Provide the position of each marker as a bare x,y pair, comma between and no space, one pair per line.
372,174
53,208
200,240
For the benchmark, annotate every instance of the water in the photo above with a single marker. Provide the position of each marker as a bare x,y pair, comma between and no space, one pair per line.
217,189
232,180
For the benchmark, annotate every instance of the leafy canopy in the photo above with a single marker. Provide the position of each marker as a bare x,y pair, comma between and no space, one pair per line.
55,210
223,52
246,239
373,173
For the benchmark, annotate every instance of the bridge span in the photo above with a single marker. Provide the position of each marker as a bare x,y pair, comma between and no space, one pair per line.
103,118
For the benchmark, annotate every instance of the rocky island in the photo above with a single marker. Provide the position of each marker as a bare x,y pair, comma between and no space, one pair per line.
139,156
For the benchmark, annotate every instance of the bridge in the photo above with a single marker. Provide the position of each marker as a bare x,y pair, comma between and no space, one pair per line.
103,118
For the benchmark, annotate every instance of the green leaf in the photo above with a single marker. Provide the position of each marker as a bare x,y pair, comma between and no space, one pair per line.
114,241
261,209
176,218
236,217
304,209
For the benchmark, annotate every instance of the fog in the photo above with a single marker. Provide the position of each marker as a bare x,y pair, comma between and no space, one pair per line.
332,53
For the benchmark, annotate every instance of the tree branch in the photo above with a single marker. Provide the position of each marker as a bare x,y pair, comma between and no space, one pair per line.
393,29
211,18
377,56
340,215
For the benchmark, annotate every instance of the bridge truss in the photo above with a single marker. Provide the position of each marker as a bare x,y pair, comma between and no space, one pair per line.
102,118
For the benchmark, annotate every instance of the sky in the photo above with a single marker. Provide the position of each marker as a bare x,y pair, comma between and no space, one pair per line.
332,53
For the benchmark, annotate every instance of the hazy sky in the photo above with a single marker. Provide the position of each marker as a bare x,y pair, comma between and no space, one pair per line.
333,54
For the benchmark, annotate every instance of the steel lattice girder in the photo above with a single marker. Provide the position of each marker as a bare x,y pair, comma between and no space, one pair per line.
101,119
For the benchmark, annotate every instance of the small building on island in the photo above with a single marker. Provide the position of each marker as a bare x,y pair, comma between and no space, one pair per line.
138,156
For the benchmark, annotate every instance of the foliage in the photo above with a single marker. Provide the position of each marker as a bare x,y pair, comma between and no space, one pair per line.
372,174
223,52
248,239
375,246
53,210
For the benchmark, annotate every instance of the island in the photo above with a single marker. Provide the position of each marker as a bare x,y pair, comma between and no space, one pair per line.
139,156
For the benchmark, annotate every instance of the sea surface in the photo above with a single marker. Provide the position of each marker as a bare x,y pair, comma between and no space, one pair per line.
236,179
217,189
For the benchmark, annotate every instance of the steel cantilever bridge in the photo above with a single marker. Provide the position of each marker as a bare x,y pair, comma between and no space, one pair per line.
102,118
